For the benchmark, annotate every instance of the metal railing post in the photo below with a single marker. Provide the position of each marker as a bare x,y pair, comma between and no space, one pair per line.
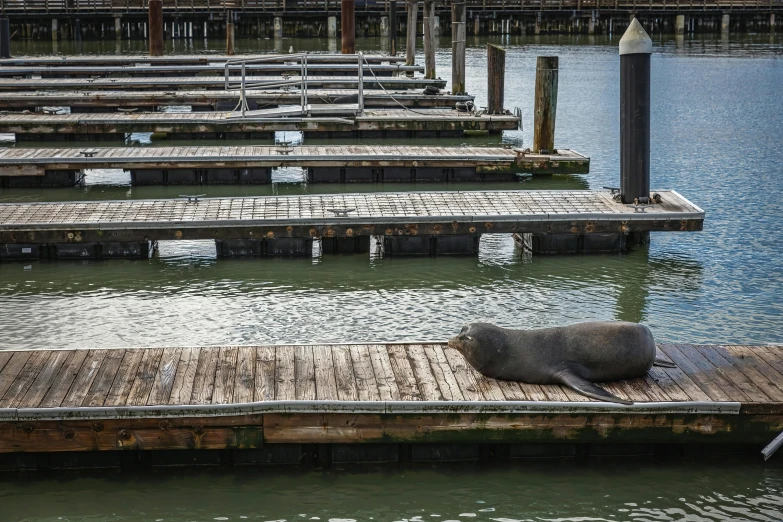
361,83
225,85
243,100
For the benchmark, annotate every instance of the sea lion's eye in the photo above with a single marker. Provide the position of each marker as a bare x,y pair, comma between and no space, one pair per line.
469,338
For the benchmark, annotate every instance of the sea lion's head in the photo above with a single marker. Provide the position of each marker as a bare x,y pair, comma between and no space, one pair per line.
462,340
481,344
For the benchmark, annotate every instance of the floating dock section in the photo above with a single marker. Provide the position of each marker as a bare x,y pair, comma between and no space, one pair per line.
21,167
362,402
413,223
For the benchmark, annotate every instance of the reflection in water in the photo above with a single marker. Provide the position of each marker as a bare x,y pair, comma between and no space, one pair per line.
529,491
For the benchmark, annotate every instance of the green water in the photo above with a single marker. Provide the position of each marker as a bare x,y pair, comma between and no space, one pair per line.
529,491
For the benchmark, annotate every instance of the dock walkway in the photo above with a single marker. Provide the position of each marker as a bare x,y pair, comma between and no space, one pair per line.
344,215
256,397
360,163
183,59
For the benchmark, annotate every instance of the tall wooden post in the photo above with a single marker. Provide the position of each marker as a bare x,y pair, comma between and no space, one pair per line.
545,104
156,27
393,27
347,18
429,39
410,42
458,34
496,78
229,38
5,38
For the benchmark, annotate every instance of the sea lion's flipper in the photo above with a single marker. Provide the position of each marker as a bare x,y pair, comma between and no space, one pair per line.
664,363
588,389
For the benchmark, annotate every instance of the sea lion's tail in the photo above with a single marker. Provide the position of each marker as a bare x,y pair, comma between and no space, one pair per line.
664,363
587,388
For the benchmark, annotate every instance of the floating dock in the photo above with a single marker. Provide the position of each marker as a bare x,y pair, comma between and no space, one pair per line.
212,82
361,402
155,71
103,101
218,125
407,223
184,59
23,167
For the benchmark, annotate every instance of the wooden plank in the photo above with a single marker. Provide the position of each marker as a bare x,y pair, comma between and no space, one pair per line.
145,377
265,374
225,374
305,373
285,374
717,374
465,378
425,379
670,386
81,385
12,370
165,376
366,384
345,380
24,379
5,356
182,389
767,360
325,381
700,378
447,382
384,375
104,379
245,382
64,379
204,382
123,382
45,379
740,375
403,373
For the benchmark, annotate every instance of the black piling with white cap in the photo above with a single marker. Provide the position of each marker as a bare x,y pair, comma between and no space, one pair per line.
635,51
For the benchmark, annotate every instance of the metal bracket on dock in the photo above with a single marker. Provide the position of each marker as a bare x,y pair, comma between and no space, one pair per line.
192,198
613,190
89,153
640,209
338,212
285,147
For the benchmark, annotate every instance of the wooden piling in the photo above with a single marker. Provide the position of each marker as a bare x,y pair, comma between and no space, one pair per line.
5,38
496,78
410,42
348,29
229,38
429,39
156,27
545,104
458,35
393,28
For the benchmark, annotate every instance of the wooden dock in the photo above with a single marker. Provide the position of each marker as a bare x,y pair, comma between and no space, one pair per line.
210,82
368,402
182,59
344,215
208,70
85,101
351,163
219,125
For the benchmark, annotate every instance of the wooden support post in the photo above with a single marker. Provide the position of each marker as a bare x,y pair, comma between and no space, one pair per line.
393,27
410,41
54,29
347,18
635,51
458,36
331,27
117,27
725,23
229,38
429,39
545,104
156,27
277,26
5,38
679,24
496,78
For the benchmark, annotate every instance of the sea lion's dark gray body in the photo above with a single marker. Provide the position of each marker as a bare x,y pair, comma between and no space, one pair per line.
576,355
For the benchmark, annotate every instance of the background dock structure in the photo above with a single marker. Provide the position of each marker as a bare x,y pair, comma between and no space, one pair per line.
20,167
121,19
90,60
362,402
413,223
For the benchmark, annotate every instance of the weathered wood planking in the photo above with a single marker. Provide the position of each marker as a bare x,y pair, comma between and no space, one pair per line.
28,161
206,123
391,379
182,59
464,212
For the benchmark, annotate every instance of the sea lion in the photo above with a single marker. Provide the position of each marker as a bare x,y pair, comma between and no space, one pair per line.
575,356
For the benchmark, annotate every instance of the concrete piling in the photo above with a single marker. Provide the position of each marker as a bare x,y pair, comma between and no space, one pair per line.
54,29
725,22
545,104
278,27
385,26
679,24
635,50
331,27
156,27
348,18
